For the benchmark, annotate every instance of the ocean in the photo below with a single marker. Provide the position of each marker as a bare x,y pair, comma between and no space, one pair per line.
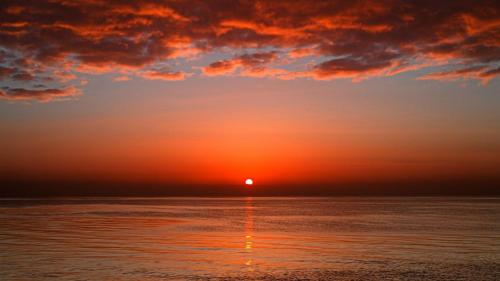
250,238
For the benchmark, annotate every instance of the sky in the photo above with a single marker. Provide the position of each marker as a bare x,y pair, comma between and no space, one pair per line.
297,95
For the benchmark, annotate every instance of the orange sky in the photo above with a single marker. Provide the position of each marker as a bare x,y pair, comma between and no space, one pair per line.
215,92
223,139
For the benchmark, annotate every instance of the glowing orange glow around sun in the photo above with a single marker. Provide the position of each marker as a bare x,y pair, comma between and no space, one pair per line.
249,182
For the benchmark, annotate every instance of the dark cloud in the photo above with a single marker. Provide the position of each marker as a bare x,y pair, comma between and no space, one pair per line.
351,67
6,71
354,39
43,95
22,76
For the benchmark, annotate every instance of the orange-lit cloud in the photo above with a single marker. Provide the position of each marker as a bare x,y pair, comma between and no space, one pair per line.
342,39
250,63
121,78
164,74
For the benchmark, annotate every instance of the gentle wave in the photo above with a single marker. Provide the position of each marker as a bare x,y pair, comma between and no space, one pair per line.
250,239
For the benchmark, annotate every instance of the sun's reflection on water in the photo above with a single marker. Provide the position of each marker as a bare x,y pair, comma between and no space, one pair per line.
249,231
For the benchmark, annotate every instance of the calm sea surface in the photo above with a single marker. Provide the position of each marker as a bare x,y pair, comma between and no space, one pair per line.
250,239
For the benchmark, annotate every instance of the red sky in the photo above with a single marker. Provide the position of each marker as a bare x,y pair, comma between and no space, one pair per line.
286,92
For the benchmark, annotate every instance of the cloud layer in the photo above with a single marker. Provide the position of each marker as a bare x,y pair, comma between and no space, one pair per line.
46,43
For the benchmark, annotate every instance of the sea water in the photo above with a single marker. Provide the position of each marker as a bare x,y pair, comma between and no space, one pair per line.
260,238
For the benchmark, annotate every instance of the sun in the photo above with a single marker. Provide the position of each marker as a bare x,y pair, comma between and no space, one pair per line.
249,182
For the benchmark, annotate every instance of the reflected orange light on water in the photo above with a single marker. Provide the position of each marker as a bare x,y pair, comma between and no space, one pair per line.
249,230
